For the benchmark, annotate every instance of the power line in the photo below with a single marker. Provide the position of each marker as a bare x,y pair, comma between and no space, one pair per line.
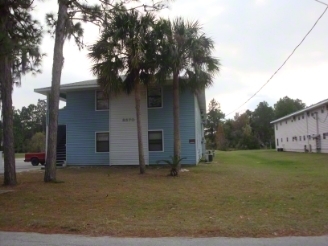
284,61
321,2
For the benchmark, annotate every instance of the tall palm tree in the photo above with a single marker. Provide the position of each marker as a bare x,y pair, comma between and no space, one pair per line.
126,46
186,54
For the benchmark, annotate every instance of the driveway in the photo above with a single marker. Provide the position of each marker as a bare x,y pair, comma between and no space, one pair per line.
35,239
21,166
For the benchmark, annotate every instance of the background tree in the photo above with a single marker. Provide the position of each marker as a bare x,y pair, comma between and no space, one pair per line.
213,120
186,54
220,138
67,24
19,132
20,37
27,122
286,106
37,143
261,118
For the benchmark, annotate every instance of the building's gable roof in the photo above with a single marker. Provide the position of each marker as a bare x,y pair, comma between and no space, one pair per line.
317,105
92,84
86,84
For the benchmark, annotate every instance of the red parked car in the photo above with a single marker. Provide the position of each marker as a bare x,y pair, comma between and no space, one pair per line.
35,158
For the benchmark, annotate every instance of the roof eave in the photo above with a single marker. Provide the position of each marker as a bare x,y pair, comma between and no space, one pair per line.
317,105
45,90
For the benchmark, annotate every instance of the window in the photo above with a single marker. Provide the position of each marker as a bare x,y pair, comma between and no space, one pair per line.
286,121
302,116
304,137
287,139
300,138
281,139
102,102
102,141
322,110
299,117
155,140
277,142
155,97
324,135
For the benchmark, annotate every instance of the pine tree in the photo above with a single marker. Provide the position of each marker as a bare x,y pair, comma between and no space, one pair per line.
20,37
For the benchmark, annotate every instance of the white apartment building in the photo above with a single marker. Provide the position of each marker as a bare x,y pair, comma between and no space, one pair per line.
303,131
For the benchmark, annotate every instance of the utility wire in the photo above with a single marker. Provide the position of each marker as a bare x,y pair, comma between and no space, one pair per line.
321,2
284,61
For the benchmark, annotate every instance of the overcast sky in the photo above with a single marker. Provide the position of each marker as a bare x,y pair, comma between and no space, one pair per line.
252,39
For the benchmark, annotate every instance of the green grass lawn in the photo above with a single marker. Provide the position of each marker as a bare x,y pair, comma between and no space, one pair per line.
242,193
18,155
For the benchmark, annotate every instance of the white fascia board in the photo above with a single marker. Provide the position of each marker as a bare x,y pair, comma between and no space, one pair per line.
317,105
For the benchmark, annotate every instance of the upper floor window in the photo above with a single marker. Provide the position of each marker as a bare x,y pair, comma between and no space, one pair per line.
102,102
155,97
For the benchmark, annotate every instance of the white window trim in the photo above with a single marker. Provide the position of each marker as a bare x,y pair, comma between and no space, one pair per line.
96,102
162,95
96,142
156,130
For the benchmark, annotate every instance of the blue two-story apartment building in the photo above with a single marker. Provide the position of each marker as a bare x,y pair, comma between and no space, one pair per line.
99,130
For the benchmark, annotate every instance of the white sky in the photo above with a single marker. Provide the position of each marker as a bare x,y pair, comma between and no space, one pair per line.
252,40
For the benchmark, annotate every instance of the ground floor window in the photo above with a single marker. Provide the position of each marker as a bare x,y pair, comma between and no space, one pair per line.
155,140
102,141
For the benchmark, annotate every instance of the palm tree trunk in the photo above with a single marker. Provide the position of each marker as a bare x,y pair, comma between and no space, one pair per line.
142,164
176,119
58,59
7,114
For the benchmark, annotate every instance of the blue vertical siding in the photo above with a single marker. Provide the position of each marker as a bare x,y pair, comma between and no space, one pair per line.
199,131
162,119
82,121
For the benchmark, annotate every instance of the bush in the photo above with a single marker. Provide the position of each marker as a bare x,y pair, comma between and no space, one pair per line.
37,143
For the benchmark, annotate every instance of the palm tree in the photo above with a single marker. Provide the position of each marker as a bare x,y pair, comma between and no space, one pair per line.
126,46
66,25
186,54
